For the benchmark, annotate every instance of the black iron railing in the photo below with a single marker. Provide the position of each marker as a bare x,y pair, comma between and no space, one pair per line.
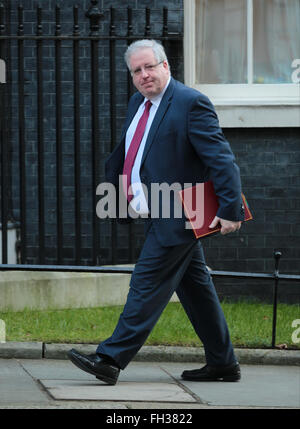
85,35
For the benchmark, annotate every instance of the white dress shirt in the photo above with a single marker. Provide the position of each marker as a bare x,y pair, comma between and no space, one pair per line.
139,203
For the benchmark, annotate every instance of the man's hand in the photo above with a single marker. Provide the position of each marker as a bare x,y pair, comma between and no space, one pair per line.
226,225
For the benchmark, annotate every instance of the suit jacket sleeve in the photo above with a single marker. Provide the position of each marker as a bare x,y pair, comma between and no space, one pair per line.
208,140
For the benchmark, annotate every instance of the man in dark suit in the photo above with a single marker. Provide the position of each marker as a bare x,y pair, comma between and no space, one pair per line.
171,135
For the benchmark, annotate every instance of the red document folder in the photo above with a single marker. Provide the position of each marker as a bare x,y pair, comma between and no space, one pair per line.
200,205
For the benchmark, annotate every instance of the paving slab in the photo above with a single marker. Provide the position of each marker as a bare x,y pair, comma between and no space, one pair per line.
64,405
260,386
139,382
16,385
50,383
123,391
53,369
50,369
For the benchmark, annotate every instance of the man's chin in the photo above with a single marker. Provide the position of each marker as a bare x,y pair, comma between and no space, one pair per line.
148,93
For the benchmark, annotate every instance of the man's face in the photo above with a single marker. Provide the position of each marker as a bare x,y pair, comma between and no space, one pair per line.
148,76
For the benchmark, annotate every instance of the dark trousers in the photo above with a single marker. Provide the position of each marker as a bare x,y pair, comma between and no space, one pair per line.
158,273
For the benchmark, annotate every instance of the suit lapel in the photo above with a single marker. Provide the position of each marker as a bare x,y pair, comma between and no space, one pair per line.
162,109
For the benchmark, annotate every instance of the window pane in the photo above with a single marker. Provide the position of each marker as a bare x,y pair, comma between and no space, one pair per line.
276,39
221,41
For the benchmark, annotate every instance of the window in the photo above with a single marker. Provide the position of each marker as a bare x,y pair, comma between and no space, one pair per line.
245,53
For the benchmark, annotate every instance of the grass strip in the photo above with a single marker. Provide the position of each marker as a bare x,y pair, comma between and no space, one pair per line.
250,325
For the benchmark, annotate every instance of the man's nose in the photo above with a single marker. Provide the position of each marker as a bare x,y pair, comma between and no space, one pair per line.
144,72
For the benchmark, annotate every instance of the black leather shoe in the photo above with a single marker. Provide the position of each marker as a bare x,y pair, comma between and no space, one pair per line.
230,372
96,365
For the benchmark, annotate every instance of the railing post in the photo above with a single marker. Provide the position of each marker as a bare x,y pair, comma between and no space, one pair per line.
77,145
40,136
147,25
113,115
277,256
22,140
59,143
94,16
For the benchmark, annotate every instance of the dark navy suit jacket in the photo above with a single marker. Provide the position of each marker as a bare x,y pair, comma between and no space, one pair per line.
185,145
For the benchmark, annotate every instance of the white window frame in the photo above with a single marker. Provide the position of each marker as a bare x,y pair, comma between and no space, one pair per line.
242,105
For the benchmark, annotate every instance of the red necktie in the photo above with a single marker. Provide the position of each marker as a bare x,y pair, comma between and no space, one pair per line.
133,149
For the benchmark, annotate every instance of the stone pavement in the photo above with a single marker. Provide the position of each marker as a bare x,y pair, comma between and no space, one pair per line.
270,379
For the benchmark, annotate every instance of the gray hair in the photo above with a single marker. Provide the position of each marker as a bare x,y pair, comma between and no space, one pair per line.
156,47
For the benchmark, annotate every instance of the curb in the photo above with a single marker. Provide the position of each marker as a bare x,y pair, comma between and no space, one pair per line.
39,350
21,350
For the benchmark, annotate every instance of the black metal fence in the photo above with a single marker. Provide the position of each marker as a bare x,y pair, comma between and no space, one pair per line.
84,67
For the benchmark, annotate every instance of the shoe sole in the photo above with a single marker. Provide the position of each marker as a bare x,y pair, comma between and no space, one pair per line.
228,378
80,365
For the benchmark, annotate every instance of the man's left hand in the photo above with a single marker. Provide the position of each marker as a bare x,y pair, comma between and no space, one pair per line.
227,226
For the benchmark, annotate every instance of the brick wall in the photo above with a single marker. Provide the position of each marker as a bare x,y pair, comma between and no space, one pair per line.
269,161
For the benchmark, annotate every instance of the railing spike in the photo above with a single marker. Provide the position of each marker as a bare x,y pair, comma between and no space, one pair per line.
94,14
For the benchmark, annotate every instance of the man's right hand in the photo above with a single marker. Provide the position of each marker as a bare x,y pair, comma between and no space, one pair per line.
227,226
